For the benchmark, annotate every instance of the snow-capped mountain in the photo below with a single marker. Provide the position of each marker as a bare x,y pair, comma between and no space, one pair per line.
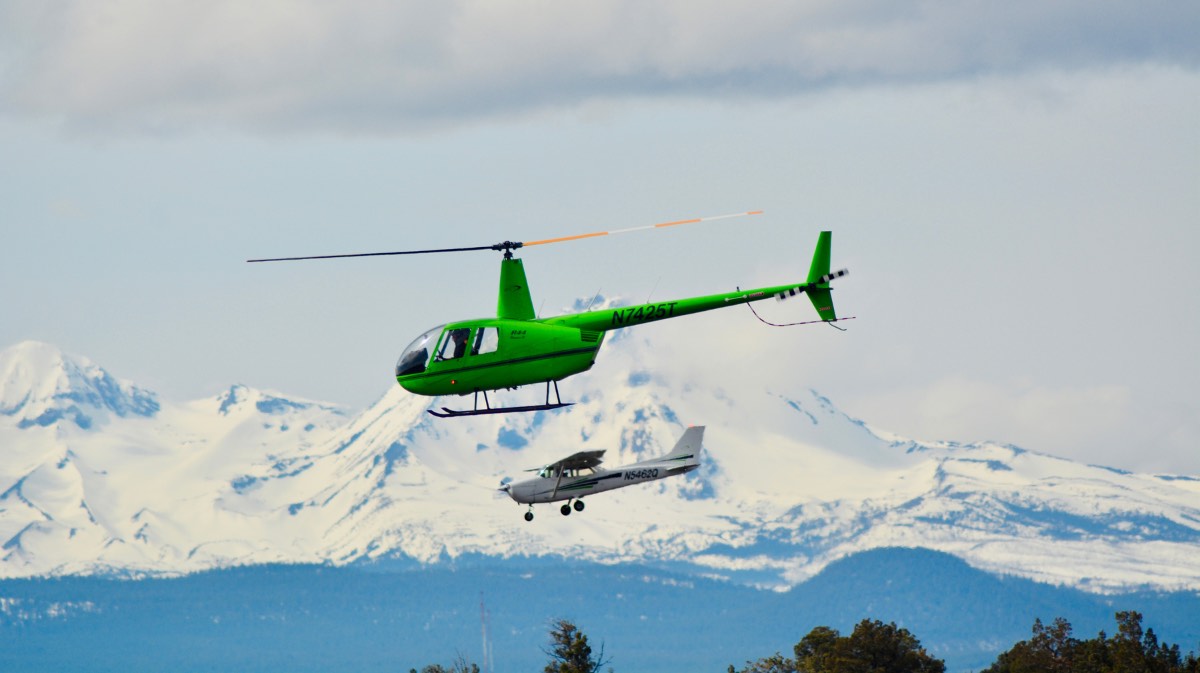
98,475
40,386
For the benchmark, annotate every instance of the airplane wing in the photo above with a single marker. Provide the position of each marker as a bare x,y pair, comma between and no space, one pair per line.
579,461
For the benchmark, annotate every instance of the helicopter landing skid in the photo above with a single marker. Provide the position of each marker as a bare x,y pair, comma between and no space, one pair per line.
488,409
452,413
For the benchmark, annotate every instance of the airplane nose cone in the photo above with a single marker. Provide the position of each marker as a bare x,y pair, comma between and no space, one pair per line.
518,492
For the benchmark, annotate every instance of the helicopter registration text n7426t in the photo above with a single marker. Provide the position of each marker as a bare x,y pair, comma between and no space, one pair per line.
517,348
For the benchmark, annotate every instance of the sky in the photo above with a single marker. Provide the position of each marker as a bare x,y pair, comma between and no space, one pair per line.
1014,186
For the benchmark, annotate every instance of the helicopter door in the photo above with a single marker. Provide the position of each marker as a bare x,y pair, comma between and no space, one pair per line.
487,340
454,343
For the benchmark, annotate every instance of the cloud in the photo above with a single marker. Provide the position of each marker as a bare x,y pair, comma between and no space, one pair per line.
398,66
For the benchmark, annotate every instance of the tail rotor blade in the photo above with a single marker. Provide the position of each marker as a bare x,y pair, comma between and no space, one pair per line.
801,289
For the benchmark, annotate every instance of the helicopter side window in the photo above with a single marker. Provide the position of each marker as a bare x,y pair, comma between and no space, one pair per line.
454,345
487,339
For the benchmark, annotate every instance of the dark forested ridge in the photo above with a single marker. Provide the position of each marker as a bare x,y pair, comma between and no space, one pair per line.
377,618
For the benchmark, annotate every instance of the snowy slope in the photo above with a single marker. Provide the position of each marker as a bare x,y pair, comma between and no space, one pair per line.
97,475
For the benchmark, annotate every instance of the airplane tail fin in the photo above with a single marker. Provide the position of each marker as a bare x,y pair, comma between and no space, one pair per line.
817,286
686,454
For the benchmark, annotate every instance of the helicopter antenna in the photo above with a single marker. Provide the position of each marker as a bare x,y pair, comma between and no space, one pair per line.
593,301
507,247
651,294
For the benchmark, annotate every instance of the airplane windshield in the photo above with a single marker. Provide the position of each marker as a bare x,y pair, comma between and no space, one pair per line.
414,358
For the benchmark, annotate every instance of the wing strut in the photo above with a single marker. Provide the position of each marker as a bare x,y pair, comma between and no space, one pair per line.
561,469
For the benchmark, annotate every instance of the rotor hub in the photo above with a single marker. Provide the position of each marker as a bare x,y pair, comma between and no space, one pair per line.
507,247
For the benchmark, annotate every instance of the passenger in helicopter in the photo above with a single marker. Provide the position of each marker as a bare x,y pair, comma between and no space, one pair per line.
460,342
455,344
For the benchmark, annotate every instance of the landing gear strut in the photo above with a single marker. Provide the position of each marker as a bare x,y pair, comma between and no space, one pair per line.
489,409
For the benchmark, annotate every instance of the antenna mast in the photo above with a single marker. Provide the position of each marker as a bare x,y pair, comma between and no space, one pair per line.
487,644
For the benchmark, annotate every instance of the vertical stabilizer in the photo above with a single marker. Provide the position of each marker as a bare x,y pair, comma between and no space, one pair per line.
686,454
818,290
514,301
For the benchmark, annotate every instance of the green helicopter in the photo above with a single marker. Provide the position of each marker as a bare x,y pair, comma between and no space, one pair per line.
517,348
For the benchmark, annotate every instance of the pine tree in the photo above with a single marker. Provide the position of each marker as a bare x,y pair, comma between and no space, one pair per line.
570,652
873,646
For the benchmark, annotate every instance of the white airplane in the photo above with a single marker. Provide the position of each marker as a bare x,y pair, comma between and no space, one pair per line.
576,476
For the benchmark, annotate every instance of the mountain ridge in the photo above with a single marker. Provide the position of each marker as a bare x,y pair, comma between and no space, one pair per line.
378,617
789,484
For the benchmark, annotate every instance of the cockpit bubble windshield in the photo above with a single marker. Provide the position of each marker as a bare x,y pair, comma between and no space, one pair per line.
416,356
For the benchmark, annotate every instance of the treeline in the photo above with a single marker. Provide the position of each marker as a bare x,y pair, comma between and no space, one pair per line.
1053,649
875,647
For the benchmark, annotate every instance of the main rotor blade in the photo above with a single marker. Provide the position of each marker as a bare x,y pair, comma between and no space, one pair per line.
508,246
375,254
660,225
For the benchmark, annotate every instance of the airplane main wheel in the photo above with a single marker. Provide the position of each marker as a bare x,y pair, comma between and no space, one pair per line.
578,505
529,516
565,509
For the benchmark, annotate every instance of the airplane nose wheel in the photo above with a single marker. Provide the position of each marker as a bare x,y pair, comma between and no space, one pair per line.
529,514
